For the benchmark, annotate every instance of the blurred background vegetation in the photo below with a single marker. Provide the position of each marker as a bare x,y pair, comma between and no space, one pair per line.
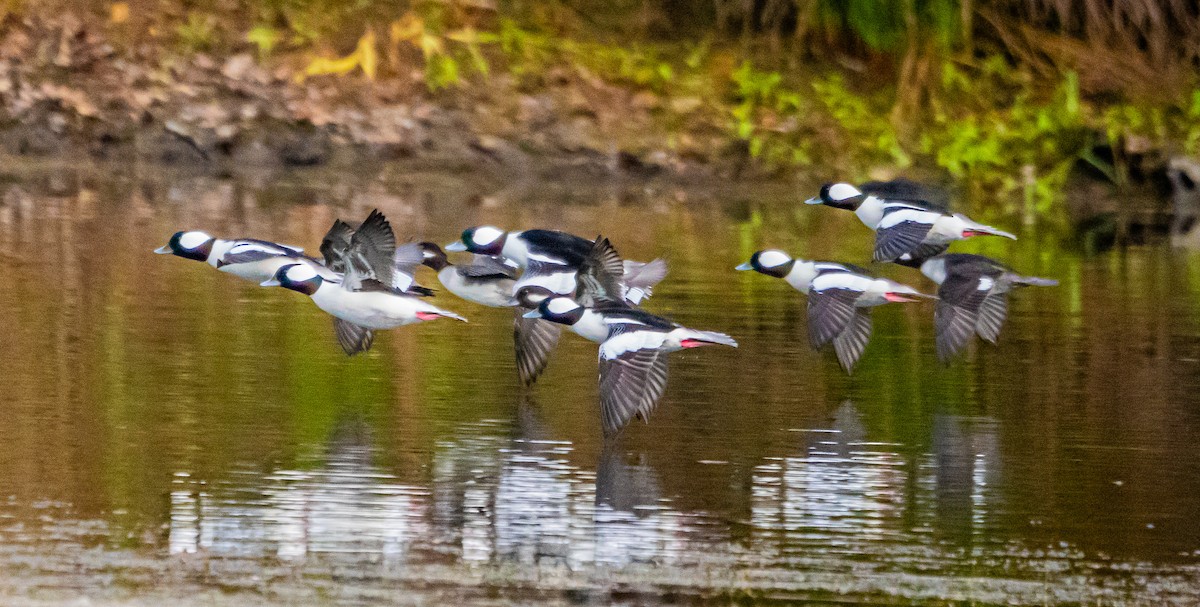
1004,96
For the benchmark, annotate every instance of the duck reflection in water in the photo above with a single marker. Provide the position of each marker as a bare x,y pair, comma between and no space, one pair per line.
346,509
524,500
848,488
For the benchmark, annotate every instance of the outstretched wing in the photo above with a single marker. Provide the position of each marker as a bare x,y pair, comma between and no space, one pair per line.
533,340
830,312
956,318
372,249
849,345
631,386
600,274
992,313
351,337
336,245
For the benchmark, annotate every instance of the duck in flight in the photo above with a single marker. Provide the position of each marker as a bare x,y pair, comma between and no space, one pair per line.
972,298
840,298
634,345
366,298
904,229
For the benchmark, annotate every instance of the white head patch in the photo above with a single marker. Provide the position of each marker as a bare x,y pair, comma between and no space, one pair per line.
842,191
772,258
561,305
485,235
300,273
191,240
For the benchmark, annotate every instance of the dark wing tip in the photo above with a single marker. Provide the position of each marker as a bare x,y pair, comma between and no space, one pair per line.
352,338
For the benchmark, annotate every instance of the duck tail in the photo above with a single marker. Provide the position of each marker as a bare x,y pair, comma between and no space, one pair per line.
974,228
695,338
1035,281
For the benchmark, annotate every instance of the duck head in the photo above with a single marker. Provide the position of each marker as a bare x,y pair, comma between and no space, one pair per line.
560,309
532,296
189,245
297,277
481,240
771,262
839,195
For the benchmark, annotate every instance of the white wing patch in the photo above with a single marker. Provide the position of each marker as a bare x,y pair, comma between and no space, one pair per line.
545,259
908,214
842,191
985,283
617,345
622,321
253,246
841,280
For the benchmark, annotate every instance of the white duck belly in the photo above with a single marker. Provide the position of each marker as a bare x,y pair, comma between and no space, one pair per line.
370,309
493,293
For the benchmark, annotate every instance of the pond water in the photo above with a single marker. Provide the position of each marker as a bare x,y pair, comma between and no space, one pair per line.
171,432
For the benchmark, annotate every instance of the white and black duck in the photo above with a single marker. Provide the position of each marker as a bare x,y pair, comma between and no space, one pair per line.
487,280
904,229
634,345
973,298
840,298
366,298
554,255
247,258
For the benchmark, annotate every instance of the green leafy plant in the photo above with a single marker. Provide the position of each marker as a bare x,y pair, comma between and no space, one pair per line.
198,32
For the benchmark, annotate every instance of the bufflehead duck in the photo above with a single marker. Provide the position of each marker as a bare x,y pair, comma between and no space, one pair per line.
633,352
549,246
247,258
973,298
596,279
904,229
487,280
840,298
365,300
555,254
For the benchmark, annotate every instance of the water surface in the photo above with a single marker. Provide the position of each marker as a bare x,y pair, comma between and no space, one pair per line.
169,431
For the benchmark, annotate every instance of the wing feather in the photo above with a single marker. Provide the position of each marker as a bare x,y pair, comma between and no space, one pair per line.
351,337
631,386
849,345
533,340
830,311
896,240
